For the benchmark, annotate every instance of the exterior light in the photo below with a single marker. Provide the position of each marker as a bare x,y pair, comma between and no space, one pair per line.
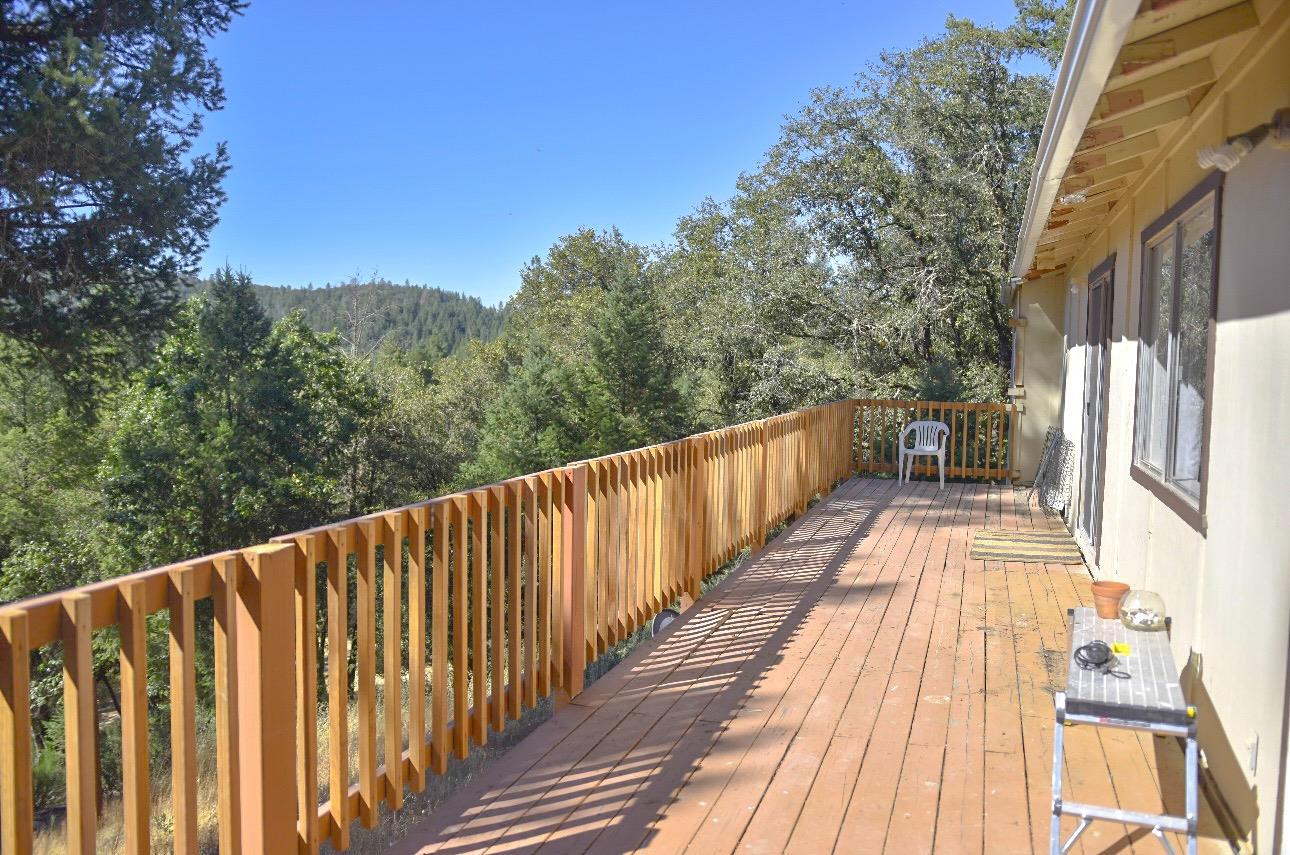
1226,156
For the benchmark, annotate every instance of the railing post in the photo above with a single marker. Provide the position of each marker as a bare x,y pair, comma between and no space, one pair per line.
266,700
573,555
16,803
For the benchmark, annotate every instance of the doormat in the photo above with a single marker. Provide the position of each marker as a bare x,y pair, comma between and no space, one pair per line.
1047,547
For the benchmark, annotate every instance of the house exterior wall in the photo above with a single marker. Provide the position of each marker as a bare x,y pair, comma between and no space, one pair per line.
1227,582
1043,306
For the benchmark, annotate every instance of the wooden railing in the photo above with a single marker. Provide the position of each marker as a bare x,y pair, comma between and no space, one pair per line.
978,445
473,607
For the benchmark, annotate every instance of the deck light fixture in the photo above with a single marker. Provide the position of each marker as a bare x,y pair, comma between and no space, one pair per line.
1226,156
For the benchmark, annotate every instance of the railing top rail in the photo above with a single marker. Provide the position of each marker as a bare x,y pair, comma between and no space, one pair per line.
892,403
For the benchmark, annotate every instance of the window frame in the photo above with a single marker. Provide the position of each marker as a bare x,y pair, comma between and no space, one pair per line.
1190,508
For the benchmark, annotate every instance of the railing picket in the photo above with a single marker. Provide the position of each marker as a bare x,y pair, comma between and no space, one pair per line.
439,638
368,535
81,717
603,509
630,539
497,607
543,675
574,583
592,578
308,548
417,645
655,551
460,609
514,501
392,530
227,570
183,712
557,615
135,790
621,605
478,627
338,546
530,593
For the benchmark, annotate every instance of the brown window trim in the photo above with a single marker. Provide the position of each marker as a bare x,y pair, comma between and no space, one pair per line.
1171,498
1191,513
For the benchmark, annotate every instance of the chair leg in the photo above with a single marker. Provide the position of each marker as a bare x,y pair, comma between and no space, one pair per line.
940,467
900,468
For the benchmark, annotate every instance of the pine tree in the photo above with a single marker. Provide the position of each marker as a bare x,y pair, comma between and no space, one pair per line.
103,207
632,378
533,425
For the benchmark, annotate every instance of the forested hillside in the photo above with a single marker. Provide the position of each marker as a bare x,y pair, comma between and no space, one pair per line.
428,321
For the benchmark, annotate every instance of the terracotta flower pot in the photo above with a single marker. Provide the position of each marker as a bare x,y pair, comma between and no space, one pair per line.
1107,596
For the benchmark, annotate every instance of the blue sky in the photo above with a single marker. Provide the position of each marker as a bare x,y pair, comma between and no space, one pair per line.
447,144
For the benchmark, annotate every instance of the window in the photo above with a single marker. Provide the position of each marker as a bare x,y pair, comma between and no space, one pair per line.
1180,255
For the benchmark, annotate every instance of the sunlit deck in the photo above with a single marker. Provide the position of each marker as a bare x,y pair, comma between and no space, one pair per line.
861,685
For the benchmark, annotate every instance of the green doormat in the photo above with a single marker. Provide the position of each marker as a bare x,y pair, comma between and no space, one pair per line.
1048,547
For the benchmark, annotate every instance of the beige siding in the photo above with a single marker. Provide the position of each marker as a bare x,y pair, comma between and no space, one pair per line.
1228,586
1042,304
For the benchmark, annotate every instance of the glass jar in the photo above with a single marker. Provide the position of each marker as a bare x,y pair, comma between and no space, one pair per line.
1143,610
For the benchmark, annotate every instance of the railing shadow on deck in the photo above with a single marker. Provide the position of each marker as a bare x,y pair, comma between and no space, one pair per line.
702,672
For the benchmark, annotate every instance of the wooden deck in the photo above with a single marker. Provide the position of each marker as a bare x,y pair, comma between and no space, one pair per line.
860,686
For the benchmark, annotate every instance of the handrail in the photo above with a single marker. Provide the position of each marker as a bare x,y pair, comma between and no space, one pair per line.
500,593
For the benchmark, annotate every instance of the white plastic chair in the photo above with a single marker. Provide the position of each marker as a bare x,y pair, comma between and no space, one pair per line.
929,441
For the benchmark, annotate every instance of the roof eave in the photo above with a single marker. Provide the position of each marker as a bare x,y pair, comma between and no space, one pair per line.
1098,30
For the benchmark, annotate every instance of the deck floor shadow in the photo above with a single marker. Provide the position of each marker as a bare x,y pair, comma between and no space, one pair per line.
861,685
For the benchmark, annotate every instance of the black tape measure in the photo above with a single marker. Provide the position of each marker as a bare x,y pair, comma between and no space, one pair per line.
1097,656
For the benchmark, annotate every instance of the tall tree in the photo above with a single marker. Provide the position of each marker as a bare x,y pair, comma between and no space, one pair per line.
914,180
632,397
103,207
237,432
534,423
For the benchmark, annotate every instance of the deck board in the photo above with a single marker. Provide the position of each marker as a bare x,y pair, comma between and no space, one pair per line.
860,685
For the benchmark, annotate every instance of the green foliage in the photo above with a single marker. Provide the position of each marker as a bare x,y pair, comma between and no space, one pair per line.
1041,26
235,433
102,208
429,323
533,423
632,395
47,458
589,369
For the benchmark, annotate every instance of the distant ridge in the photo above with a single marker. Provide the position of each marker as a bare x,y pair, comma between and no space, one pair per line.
428,321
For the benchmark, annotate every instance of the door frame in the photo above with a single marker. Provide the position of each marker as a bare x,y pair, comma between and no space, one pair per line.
1094,424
